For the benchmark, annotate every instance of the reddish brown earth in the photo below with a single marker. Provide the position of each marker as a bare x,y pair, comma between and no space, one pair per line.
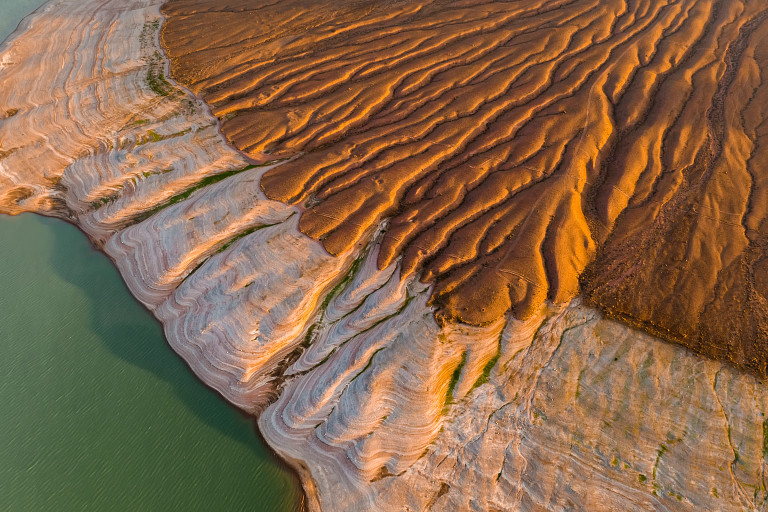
521,150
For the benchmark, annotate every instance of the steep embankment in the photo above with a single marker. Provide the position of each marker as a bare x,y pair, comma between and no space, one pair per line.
512,145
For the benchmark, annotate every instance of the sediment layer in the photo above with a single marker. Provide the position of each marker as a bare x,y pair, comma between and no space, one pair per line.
378,405
512,145
571,412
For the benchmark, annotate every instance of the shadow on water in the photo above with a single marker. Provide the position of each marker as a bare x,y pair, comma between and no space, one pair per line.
138,341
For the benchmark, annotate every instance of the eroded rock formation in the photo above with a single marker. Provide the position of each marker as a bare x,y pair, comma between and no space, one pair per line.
514,144
377,404
577,413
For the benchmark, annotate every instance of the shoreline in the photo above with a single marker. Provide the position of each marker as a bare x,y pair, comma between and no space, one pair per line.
277,459
95,246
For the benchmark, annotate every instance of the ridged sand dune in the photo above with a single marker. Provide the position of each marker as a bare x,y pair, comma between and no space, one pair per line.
513,145
378,402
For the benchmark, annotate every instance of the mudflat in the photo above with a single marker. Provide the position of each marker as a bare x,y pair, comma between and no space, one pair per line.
521,151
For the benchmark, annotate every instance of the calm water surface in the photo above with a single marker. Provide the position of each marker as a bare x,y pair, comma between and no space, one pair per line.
96,411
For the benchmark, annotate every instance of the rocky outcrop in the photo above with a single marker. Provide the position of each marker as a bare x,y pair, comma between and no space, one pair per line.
377,404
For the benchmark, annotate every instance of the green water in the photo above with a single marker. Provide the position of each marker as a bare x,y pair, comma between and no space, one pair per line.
96,411
12,11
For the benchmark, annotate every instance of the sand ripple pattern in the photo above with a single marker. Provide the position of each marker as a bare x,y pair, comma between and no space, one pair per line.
515,147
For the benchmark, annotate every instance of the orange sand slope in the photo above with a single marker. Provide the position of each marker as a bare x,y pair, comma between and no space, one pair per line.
516,147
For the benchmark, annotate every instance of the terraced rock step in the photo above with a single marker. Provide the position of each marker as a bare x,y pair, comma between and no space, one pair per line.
576,413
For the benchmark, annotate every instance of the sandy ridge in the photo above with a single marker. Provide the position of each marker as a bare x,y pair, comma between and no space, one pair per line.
523,151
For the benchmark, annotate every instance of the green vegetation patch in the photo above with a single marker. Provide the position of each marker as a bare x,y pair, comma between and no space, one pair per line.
486,375
156,76
578,384
765,438
102,201
241,235
347,279
370,362
153,136
454,381
308,337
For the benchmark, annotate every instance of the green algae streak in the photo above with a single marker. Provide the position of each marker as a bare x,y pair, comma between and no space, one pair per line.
96,411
